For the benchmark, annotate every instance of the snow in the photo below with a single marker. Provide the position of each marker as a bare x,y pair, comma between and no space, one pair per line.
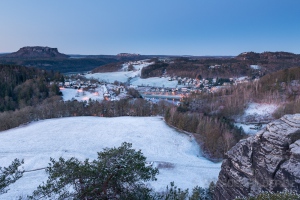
255,67
261,109
255,112
80,95
242,78
135,80
249,128
110,77
155,82
121,76
82,137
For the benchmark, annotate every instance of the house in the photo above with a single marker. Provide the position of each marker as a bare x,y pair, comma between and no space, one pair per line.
122,89
184,89
106,95
67,84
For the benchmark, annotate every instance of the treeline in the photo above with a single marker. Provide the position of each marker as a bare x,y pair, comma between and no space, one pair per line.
111,67
224,67
195,68
55,108
216,135
22,86
63,65
154,70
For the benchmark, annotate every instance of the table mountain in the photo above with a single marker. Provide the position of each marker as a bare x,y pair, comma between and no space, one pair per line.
37,52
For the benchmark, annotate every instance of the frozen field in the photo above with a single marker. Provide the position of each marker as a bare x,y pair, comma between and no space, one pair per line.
261,109
154,82
122,76
110,77
255,112
82,137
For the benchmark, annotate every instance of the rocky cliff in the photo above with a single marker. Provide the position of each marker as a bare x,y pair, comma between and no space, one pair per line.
37,52
267,161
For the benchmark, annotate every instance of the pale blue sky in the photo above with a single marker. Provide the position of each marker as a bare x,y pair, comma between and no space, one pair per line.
172,27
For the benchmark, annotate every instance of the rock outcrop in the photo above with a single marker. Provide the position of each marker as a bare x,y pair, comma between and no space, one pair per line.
37,52
267,161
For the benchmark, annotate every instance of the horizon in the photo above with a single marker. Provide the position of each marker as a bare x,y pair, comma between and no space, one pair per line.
196,28
76,54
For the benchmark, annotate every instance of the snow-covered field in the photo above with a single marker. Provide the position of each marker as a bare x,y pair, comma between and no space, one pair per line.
260,109
82,137
122,76
154,81
255,112
110,77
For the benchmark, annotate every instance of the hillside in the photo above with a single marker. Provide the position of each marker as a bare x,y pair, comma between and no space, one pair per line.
22,86
246,64
177,156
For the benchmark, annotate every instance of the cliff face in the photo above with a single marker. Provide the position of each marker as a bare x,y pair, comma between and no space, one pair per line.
37,52
267,161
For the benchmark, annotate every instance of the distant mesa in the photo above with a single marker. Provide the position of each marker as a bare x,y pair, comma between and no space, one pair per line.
128,54
37,52
280,55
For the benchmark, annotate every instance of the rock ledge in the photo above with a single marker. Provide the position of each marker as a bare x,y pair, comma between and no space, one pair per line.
267,161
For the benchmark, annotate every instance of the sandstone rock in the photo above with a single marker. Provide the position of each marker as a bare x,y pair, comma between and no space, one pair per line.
267,161
37,52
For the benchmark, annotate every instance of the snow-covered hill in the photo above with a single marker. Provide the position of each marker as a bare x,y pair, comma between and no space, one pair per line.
177,155
135,79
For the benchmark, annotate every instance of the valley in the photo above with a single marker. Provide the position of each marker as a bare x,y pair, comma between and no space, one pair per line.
183,120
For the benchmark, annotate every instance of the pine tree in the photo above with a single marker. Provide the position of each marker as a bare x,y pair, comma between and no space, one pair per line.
9,175
118,173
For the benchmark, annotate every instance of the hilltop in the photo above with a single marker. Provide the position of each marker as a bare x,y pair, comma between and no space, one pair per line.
48,58
37,52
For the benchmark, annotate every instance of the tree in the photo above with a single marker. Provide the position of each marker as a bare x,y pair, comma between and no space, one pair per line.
130,68
9,175
118,173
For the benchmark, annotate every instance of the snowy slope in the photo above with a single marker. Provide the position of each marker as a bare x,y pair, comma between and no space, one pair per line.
255,112
110,77
154,82
122,76
82,137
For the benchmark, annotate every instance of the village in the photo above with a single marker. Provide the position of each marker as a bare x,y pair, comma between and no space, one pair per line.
80,88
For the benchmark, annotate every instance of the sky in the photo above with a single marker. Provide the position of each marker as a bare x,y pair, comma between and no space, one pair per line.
164,27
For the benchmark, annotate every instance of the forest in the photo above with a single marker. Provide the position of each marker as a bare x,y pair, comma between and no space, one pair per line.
21,86
209,67
26,95
210,116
